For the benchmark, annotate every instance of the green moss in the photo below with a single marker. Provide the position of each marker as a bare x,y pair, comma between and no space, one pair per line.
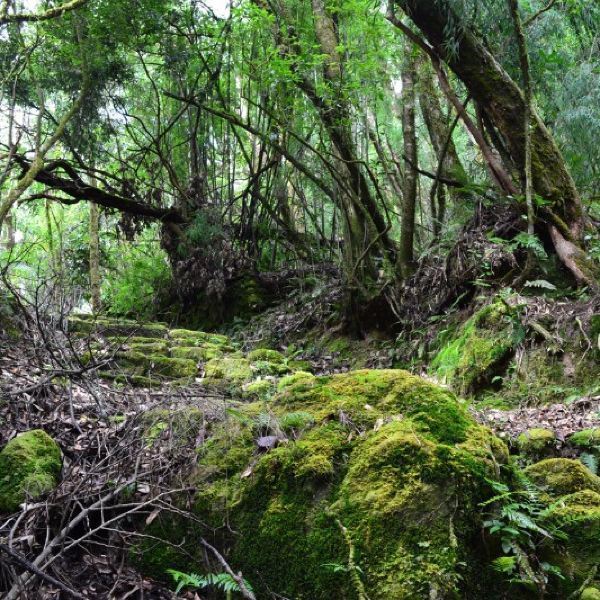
536,442
394,458
261,388
176,368
590,593
229,368
586,439
299,380
577,515
156,347
470,361
30,466
197,353
264,354
561,476
189,337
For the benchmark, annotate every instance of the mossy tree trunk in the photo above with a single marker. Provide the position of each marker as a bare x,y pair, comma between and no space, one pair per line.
504,102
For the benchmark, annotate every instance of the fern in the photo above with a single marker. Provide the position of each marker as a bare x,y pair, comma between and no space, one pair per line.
221,581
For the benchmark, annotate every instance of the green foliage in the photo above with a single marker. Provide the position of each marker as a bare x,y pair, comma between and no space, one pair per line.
518,520
139,272
220,581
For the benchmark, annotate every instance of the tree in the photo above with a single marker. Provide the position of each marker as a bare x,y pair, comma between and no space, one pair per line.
561,213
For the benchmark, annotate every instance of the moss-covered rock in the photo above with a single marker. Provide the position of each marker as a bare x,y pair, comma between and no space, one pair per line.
174,368
590,593
586,439
30,466
577,516
154,347
536,443
469,360
231,369
86,324
261,388
189,337
562,476
396,460
198,353
264,354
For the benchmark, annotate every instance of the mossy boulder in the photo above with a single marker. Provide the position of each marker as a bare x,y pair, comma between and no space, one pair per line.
561,476
230,369
189,337
172,368
87,324
586,439
150,347
261,388
198,353
536,443
471,358
577,515
396,460
264,354
30,465
590,593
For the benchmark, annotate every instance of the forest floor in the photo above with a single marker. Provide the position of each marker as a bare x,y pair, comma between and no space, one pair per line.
103,427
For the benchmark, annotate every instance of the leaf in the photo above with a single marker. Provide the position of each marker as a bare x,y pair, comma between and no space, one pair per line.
540,283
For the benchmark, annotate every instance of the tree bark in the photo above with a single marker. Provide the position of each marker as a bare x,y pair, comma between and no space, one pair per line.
406,260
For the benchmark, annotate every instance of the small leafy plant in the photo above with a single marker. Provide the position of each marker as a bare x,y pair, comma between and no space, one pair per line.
517,518
220,581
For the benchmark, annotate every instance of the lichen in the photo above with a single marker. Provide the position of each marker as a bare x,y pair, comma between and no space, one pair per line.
30,466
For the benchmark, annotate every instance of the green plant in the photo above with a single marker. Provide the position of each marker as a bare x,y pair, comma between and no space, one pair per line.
517,518
220,581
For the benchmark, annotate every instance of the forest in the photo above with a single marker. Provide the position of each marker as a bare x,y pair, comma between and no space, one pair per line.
299,299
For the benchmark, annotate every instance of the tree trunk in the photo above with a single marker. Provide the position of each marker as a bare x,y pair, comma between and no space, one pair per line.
504,102
406,259
94,257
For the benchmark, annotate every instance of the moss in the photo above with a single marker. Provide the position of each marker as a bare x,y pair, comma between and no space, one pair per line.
30,466
396,459
261,388
162,366
470,361
230,369
561,476
264,354
536,443
183,424
196,338
263,367
590,593
155,347
299,381
197,353
586,439
577,515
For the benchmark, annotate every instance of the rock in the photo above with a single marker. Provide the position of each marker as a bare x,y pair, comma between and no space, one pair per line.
395,459
30,466
198,353
470,359
586,439
562,476
536,443
590,593
230,369
263,354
